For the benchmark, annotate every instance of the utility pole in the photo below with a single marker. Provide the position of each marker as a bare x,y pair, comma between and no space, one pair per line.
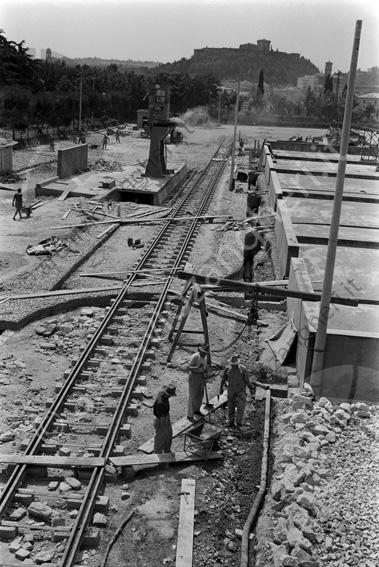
322,327
80,102
234,140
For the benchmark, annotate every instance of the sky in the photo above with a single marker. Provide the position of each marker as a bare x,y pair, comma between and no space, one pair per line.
167,30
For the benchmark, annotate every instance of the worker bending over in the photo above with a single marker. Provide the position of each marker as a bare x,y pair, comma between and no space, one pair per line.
235,374
162,421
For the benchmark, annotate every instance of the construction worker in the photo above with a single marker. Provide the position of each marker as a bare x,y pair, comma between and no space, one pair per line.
196,381
105,141
17,202
235,374
118,137
162,421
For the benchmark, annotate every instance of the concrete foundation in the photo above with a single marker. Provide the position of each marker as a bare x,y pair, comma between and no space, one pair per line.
303,201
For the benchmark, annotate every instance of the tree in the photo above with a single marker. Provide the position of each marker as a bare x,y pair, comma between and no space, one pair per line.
261,83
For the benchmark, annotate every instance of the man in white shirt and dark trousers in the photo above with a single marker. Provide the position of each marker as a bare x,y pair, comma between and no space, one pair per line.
196,381
235,374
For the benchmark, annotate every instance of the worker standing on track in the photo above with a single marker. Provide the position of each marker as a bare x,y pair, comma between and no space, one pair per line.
196,381
162,421
235,374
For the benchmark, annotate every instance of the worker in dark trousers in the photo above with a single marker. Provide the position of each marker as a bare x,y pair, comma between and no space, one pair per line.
235,374
105,142
196,381
17,202
162,421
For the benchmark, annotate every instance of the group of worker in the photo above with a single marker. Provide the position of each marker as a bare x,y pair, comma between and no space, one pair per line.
234,375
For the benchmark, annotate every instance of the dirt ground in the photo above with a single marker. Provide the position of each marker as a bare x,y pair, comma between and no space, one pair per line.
225,490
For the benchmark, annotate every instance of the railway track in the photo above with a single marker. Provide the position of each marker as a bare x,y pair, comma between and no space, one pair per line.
87,422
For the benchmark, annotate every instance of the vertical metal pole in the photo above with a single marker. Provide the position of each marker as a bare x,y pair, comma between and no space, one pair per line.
322,327
234,140
80,102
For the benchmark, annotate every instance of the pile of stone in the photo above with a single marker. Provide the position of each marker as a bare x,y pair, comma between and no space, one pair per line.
104,165
323,495
66,333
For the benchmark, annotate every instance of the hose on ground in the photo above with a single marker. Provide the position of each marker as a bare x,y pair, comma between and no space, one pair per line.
262,489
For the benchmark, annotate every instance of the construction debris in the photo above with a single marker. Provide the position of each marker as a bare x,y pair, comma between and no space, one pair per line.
104,165
47,246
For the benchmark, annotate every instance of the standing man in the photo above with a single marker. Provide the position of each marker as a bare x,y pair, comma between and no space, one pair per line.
162,421
236,376
105,141
17,202
196,381
118,136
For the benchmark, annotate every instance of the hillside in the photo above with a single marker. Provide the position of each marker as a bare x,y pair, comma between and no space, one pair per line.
239,64
121,63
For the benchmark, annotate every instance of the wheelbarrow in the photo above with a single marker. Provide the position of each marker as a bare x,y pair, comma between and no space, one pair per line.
201,438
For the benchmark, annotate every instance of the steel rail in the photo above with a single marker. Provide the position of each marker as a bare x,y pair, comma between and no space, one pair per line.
111,437
97,476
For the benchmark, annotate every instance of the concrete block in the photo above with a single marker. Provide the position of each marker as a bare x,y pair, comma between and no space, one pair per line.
60,536
85,375
62,425
74,502
73,482
99,351
126,430
118,451
8,532
137,393
64,452
132,409
22,554
71,406
94,363
15,545
102,428
25,499
109,408
154,342
112,330
106,340
111,473
141,380
55,522
37,422
91,538
116,392
84,474
102,504
49,402
81,390
53,485
17,515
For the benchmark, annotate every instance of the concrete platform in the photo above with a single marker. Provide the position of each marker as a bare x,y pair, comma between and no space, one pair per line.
126,185
319,156
301,192
327,167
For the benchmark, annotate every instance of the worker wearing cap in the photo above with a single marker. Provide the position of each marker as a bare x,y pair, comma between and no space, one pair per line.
196,381
235,374
162,421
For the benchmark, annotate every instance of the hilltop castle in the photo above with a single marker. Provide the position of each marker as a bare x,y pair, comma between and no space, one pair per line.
262,46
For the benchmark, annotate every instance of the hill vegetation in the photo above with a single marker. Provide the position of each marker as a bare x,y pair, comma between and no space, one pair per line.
239,64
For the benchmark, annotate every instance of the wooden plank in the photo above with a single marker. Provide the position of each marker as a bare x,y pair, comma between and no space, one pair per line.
66,214
40,526
107,230
153,459
64,292
183,424
139,221
184,546
51,461
64,195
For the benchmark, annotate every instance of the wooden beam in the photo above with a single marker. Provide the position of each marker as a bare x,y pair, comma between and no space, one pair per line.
184,546
251,287
153,459
52,461
140,221
64,292
111,227
64,195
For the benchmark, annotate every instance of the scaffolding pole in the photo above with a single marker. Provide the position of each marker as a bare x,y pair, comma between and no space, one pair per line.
322,326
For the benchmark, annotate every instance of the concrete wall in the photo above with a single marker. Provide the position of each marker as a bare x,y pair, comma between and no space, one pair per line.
286,241
6,159
72,160
351,366
274,190
293,146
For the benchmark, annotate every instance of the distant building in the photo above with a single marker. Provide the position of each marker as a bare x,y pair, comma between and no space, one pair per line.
368,99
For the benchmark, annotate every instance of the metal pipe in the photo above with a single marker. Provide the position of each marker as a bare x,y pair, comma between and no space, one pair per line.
322,326
262,489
